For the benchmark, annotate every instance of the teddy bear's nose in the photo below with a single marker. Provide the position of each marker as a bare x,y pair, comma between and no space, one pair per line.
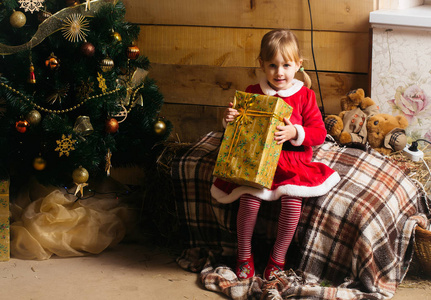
376,123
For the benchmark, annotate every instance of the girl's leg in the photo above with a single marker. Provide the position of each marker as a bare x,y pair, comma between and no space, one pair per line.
287,223
246,220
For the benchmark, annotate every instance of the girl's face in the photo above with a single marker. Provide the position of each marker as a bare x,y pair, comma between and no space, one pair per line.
279,73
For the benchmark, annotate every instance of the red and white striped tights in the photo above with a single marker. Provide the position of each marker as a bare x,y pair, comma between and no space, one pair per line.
287,222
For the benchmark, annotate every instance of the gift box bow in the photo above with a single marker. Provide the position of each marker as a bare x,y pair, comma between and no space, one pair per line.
245,112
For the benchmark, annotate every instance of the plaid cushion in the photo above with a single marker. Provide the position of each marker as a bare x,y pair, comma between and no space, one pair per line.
358,237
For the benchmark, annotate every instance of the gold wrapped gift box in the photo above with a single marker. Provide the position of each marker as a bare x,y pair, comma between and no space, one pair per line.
4,220
248,153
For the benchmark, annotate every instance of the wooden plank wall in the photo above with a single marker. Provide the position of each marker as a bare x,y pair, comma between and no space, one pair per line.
202,51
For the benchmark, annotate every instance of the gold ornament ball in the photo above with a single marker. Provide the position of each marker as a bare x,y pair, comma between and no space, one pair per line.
39,163
116,36
80,175
107,64
17,19
160,127
33,117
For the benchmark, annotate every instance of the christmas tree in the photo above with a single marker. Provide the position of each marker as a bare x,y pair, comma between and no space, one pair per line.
74,95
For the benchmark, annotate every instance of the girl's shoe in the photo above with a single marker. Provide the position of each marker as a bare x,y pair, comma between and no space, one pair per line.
245,268
272,268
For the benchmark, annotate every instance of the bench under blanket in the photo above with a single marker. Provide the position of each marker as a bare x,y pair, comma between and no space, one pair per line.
355,242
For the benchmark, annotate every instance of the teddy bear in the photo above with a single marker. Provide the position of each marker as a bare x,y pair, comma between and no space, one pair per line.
363,123
349,125
355,98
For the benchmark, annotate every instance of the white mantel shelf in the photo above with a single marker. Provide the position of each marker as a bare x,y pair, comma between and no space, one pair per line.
419,16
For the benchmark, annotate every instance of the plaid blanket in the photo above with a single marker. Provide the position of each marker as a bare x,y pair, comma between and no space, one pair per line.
353,243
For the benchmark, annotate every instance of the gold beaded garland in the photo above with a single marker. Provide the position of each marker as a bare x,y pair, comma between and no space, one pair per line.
56,111
133,96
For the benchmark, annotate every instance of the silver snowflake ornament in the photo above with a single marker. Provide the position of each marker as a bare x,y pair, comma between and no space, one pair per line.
31,5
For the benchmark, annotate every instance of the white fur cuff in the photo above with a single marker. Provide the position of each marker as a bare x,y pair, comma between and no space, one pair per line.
301,136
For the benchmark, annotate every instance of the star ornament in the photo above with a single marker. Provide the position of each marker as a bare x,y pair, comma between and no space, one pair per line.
80,188
31,5
65,145
75,28
87,5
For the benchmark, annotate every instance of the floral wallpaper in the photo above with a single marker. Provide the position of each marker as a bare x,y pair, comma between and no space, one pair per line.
401,76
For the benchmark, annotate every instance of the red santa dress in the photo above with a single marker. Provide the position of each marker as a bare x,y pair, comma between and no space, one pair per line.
296,175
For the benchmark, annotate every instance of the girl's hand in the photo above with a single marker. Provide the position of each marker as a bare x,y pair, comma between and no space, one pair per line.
285,132
230,113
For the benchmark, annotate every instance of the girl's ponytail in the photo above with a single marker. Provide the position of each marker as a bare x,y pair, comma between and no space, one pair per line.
306,77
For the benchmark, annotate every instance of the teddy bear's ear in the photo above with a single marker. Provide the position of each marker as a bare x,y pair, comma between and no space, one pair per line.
357,94
360,92
402,121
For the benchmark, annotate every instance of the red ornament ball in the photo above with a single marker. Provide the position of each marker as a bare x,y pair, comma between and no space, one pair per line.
52,62
21,126
43,15
111,125
72,2
132,52
87,49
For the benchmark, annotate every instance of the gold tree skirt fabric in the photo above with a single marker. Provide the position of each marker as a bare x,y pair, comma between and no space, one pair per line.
47,221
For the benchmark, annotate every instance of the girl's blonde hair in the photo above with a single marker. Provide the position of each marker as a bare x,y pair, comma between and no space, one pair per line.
285,41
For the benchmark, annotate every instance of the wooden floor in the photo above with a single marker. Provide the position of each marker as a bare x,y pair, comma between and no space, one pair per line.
127,271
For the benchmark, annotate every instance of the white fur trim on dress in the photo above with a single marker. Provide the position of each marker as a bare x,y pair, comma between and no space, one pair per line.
301,136
267,90
271,195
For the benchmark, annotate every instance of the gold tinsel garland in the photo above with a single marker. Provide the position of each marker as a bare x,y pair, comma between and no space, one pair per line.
54,23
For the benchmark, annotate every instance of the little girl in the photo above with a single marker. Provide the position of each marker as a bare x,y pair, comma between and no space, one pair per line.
296,176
